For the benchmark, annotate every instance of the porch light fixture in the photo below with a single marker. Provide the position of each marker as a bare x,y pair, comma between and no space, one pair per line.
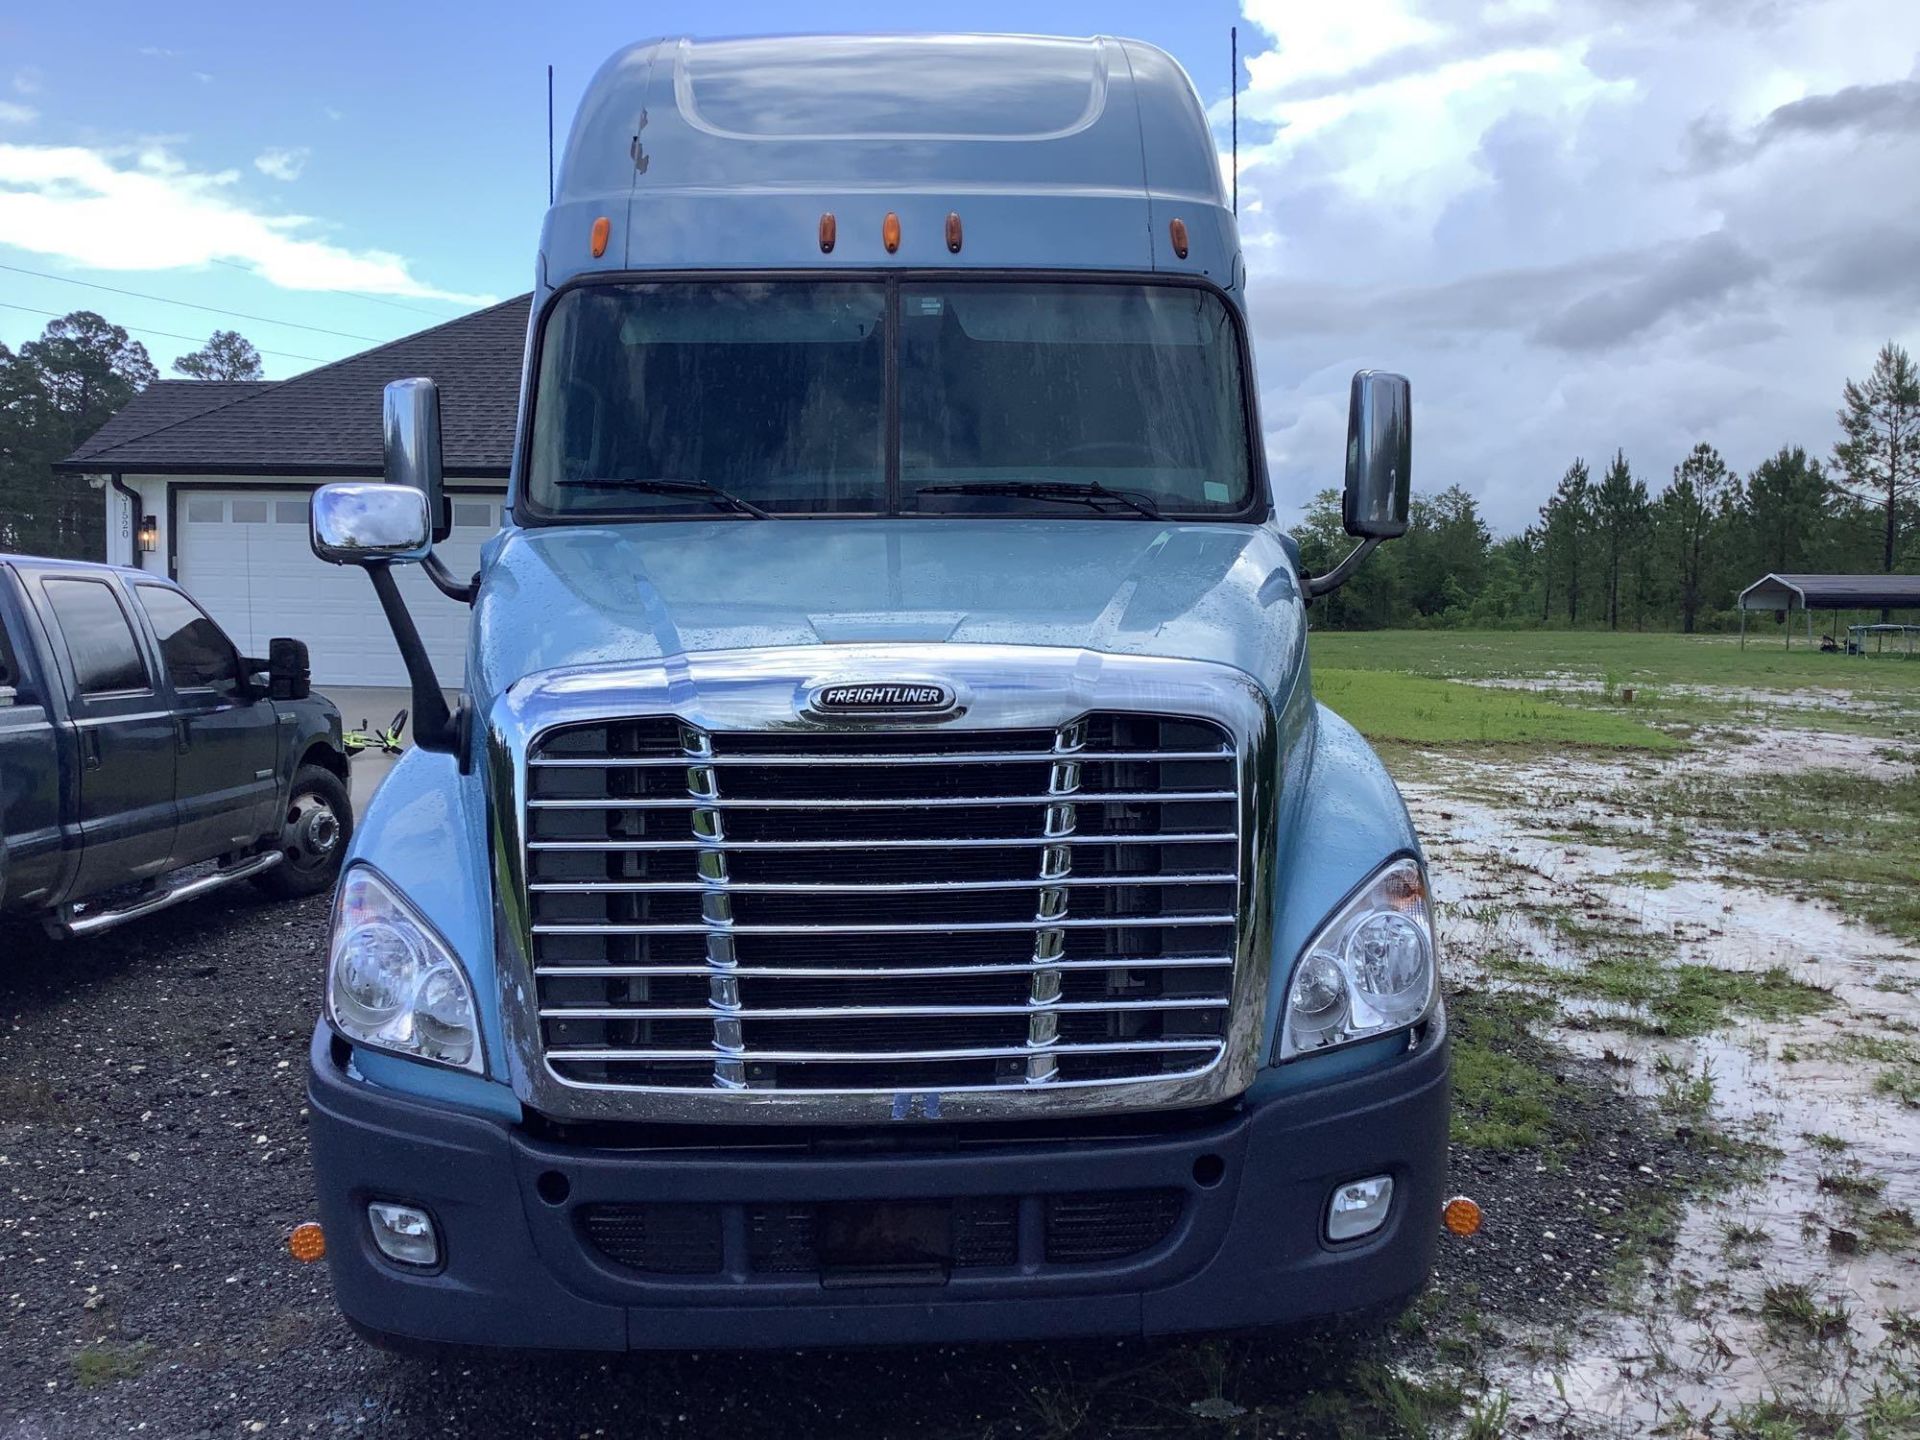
149,534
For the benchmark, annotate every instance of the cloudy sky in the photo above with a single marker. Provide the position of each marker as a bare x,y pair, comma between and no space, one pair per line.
1579,225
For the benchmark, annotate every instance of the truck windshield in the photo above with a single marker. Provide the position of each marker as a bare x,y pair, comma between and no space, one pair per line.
1064,399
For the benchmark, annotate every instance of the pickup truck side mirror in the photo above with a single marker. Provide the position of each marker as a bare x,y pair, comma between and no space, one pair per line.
410,421
289,675
1377,503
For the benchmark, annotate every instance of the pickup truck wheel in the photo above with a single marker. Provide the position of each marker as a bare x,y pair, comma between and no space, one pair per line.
313,837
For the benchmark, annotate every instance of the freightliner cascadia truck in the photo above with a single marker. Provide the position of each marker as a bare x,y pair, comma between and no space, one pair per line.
885,876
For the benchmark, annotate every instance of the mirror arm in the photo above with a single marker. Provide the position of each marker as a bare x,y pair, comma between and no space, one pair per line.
434,727
1318,585
443,580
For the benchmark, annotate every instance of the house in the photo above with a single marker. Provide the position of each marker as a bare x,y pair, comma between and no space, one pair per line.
209,482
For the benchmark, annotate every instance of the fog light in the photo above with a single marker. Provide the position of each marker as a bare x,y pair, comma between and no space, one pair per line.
405,1235
1359,1208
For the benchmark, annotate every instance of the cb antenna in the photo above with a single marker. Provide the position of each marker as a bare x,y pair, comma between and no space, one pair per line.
1233,40
549,135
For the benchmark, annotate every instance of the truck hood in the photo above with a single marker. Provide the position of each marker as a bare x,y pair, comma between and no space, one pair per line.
567,597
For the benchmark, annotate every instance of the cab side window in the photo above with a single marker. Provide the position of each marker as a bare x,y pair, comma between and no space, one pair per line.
196,651
99,638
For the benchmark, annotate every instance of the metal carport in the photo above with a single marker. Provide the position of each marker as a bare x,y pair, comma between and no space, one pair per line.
1827,592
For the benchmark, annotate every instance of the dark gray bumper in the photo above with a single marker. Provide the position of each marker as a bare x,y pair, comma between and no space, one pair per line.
1246,1250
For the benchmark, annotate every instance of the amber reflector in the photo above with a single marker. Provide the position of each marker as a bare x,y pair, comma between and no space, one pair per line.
1178,230
307,1243
828,232
890,232
601,229
953,231
1461,1216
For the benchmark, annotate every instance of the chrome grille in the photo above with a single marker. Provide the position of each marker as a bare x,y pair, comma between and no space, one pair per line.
860,911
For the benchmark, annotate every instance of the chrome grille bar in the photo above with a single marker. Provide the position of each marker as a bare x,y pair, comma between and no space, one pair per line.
842,1012
748,887
902,842
916,802
1005,757
890,972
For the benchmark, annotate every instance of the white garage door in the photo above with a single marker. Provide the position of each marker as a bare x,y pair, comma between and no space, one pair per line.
244,555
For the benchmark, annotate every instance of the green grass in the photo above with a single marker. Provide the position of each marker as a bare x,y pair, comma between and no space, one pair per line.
1625,658
104,1364
1502,1094
1590,670
1385,706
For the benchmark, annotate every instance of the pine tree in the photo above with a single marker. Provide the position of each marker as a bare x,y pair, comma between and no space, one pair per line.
1566,521
1687,515
1620,509
227,355
1880,455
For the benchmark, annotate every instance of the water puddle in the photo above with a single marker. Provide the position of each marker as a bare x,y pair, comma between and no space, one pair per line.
1793,1289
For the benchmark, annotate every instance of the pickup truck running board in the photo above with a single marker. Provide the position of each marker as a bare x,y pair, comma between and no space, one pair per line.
92,922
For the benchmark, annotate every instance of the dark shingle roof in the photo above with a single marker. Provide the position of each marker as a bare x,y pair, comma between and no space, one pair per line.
327,421
1832,592
165,403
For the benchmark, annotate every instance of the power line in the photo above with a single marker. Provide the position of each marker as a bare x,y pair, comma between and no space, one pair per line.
356,294
190,305
168,334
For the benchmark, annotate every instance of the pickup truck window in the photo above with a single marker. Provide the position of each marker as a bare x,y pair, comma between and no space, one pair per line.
1029,397
196,651
98,636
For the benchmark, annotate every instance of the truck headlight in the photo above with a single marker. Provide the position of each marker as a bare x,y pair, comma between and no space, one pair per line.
1369,970
392,983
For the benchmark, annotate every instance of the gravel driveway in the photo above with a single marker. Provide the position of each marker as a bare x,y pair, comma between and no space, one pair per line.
153,1158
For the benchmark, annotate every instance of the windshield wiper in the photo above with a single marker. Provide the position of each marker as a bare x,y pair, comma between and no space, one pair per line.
663,485
1090,492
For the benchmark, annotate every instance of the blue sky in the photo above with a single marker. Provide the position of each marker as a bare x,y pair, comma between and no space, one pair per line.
1577,224
414,130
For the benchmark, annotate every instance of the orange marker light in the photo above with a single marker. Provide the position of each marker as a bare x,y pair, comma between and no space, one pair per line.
1461,1216
890,232
1177,230
602,228
953,231
829,232
307,1243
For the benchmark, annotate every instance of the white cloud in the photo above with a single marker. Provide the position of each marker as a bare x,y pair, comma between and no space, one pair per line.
282,163
1576,225
159,52
150,211
26,81
12,113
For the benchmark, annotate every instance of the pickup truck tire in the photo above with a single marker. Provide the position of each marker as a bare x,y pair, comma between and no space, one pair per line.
313,838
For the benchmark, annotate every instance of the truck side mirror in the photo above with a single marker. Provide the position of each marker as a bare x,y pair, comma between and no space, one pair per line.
355,522
410,421
289,673
1378,498
1378,501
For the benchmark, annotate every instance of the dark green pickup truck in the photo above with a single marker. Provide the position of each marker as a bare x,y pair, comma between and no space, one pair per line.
144,760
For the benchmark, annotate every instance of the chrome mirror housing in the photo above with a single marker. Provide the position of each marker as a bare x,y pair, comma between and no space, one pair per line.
357,522
1378,499
410,423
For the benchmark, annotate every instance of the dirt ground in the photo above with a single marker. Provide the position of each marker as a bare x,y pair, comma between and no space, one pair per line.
1689,1099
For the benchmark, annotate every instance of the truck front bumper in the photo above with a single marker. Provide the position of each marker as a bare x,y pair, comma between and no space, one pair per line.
1245,1246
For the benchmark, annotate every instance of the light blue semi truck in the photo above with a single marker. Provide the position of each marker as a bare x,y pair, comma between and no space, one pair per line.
886,877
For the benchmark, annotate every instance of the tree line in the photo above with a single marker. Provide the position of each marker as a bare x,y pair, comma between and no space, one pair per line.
57,391
1617,553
